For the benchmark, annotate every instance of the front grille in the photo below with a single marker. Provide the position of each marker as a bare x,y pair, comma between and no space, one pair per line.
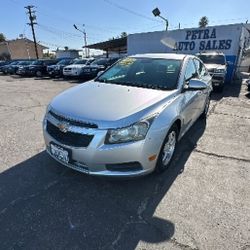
73,122
217,78
69,138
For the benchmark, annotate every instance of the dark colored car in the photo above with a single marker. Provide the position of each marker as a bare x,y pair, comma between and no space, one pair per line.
96,66
4,68
56,70
37,68
12,69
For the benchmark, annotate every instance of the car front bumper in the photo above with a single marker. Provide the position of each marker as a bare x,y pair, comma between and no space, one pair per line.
100,159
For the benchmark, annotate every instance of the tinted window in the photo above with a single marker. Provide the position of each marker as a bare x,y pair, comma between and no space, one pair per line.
144,72
213,59
190,70
100,62
81,62
37,63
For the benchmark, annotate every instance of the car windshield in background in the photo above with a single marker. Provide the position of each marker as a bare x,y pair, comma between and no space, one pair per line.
37,63
99,62
25,63
213,59
65,61
144,72
81,62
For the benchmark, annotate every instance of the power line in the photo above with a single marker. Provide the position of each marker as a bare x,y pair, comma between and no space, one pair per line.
131,11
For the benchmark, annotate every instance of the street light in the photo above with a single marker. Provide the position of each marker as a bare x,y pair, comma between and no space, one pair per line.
157,12
84,37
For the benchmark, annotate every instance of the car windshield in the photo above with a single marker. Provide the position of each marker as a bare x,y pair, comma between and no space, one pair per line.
99,62
64,61
144,72
213,59
37,63
81,61
25,63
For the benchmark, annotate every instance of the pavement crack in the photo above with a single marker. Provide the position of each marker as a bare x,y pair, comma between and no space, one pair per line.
31,196
181,245
221,156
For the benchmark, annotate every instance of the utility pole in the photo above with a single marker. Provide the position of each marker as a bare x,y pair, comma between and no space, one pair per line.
32,18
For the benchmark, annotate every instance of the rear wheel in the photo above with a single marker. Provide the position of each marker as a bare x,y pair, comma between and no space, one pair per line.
168,149
39,73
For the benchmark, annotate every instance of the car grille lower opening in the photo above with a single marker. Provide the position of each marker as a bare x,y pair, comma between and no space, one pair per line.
124,167
69,138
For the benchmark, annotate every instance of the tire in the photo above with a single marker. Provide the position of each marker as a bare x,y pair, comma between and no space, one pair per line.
220,89
38,73
206,109
169,144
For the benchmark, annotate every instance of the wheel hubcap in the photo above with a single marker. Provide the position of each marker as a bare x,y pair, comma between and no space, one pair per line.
169,148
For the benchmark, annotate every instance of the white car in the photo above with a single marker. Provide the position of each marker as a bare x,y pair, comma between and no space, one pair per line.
75,70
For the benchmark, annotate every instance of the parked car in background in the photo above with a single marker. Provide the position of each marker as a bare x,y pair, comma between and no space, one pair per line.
37,68
128,120
12,69
56,70
96,66
4,68
75,70
248,84
217,67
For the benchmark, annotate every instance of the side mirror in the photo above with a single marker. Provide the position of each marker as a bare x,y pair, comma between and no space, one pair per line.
195,84
100,72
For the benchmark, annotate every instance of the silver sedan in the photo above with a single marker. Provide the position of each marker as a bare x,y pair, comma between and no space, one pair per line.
128,120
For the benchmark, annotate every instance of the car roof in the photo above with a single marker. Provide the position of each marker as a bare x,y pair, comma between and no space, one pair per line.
162,56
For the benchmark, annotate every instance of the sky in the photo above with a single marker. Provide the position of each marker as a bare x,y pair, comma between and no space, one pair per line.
104,19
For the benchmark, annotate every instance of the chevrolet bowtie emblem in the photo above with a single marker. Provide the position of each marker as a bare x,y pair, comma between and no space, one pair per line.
63,127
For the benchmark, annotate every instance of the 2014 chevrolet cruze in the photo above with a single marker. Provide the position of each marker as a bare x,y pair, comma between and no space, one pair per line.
128,120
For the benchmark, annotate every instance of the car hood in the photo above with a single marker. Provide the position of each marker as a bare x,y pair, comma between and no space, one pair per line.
108,104
76,66
215,66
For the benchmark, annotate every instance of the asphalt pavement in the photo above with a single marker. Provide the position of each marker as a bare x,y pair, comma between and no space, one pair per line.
201,202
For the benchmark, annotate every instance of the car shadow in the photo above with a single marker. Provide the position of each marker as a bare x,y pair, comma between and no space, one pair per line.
45,205
230,90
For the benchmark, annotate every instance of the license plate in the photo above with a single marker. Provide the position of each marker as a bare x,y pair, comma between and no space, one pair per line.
59,153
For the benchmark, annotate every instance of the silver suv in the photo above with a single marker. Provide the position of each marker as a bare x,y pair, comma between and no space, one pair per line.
217,67
128,120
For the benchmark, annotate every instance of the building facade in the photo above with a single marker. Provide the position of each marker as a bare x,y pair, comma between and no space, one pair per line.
22,48
232,40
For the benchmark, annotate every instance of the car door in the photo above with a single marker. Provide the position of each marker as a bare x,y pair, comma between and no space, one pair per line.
190,98
205,77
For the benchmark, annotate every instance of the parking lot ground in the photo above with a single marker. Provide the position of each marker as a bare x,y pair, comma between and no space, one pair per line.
201,202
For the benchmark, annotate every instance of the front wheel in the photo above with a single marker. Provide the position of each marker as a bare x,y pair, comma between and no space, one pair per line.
168,149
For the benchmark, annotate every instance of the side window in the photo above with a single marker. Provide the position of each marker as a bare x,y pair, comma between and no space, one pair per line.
190,70
200,68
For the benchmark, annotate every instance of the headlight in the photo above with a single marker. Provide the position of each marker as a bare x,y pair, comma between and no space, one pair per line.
219,71
135,132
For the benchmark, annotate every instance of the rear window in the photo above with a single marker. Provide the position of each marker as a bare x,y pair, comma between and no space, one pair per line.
213,59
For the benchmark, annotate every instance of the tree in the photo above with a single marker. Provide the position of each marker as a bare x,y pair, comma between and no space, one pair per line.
123,34
2,37
203,22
